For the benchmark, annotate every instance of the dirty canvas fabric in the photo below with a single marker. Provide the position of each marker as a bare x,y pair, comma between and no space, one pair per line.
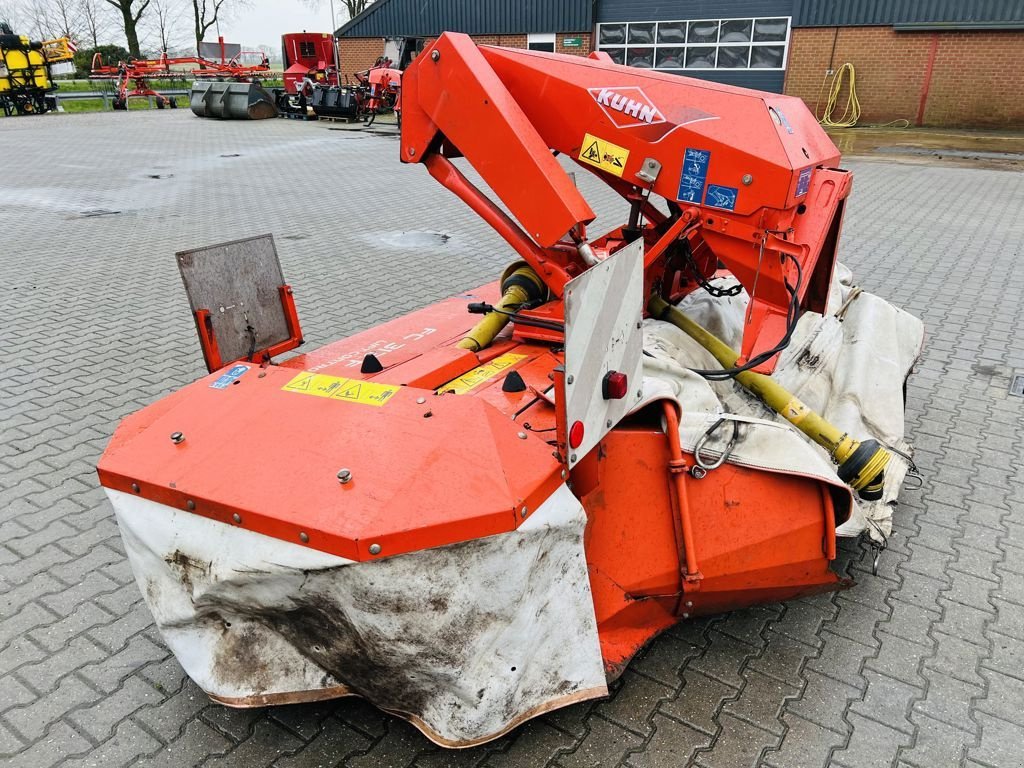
466,641
850,368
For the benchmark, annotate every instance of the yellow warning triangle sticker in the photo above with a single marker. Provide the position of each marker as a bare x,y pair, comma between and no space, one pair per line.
350,392
300,384
593,152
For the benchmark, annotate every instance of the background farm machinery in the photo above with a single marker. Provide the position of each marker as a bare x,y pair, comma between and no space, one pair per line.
27,68
225,86
314,83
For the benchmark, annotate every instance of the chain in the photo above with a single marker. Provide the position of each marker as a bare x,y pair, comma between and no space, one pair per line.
718,293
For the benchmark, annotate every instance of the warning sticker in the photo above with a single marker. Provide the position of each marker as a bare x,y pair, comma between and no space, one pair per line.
229,377
721,197
337,388
480,374
604,155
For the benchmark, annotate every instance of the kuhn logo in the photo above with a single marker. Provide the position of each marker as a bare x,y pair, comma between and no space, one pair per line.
627,106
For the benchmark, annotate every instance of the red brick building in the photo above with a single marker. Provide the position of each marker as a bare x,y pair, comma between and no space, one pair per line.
928,62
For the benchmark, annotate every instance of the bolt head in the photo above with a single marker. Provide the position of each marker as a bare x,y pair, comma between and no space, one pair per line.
237,518
524,512
522,435
698,472
344,475
375,549
304,537
689,604
177,437
608,423
135,487
572,457
747,179
564,474
569,379
421,400
639,394
686,615
435,55
190,504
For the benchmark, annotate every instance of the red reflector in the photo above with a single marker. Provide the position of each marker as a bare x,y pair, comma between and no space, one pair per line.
614,385
576,434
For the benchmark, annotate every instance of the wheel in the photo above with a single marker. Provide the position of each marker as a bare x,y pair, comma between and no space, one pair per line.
119,103
172,102
161,103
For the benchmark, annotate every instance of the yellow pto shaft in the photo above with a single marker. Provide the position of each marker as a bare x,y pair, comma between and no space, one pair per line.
519,285
861,463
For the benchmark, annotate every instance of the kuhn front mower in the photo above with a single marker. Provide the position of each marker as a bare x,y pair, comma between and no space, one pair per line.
480,511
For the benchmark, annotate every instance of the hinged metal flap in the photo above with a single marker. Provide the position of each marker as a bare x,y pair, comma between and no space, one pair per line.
239,284
603,333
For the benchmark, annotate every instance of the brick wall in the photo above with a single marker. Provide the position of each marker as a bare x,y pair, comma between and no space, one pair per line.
972,81
359,53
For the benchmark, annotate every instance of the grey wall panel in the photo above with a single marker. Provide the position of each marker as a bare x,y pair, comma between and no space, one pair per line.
815,13
427,18
662,10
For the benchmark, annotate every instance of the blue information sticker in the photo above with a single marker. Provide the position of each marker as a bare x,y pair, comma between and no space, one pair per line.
229,377
721,197
694,175
804,182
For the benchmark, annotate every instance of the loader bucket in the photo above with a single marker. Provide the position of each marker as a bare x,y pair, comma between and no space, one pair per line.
231,100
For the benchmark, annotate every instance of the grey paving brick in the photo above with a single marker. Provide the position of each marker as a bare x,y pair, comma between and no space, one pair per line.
841,659
1000,742
197,742
60,742
399,745
935,743
783,658
823,701
698,701
606,744
738,744
672,744
761,701
887,701
806,745
634,703
536,743
33,719
948,700
109,673
871,744
128,743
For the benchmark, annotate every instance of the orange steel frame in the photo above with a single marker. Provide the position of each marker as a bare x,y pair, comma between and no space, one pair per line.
661,545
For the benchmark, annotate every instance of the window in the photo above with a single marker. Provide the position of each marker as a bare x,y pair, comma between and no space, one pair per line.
700,44
307,50
541,42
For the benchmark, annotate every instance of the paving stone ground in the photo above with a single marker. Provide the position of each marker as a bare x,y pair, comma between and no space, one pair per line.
920,666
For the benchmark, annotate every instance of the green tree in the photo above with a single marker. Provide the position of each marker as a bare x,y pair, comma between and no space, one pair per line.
111,54
131,11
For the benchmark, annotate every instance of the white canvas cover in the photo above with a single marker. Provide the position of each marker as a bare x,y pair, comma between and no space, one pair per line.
849,367
465,641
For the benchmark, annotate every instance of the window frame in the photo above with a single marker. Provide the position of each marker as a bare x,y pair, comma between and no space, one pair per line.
541,38
625,45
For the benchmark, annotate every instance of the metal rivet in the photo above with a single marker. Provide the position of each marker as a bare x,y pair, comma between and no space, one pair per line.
135,487
686,615
608,423
237,518
640,325
747,179
421,400
344,475
435,55
303,537
412,151
639,393
522,435
569,379
524,512
190,504
572,457
564,473
375,549
262,374
689,604
177,437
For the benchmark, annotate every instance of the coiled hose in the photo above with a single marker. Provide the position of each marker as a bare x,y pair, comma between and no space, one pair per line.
851,111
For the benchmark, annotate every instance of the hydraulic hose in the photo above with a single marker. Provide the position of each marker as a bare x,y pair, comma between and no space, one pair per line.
861,463
519,285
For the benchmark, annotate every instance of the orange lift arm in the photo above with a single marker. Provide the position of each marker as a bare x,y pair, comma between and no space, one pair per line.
748,178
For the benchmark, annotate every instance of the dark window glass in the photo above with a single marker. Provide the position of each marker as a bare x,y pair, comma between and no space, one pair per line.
549,47
640,57
672,32
641,33
767,57
307,50
700,58
703,32
612,34
735,31
733,56
618,55
671,58
770,30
